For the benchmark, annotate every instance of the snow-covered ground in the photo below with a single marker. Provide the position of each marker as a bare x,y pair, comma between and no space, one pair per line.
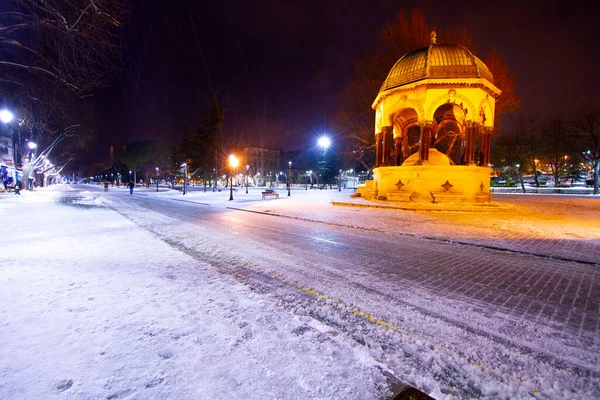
92,306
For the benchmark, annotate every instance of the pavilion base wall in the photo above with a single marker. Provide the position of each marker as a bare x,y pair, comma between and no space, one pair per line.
430,183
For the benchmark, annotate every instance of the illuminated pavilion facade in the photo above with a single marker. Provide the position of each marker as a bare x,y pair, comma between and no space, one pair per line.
434,116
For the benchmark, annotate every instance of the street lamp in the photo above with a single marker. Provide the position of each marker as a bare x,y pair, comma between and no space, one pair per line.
247,169
156,178
233,163
340,182
184,165
289,173
6,116
324,142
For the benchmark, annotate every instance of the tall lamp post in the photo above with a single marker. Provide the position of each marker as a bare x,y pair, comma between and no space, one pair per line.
340,182
233,163
6,117
30,157
323,142
156,178
184,165
247,169
289,174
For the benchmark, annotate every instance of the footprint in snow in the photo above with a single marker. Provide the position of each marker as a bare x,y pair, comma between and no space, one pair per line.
64,385
165,354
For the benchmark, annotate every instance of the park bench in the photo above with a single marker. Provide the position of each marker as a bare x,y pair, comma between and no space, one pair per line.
270,193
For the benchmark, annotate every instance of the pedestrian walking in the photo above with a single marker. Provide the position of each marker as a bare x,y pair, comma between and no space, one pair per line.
131,186
106,186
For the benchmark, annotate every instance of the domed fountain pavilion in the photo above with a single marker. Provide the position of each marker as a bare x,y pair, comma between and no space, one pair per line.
434,116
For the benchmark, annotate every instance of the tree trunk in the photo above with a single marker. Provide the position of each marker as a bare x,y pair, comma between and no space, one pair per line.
596,170
521,180
535,175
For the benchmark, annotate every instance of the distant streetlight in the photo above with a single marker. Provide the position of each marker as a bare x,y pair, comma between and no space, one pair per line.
247,169
157,178
31,145
233,163
289,174
129,176
340,182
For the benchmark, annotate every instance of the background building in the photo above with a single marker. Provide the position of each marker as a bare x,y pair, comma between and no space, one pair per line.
264,165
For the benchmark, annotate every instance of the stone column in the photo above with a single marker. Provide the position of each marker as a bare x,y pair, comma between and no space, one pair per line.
424,141
386,146
484,158
472,137
378,148
398,154
468,144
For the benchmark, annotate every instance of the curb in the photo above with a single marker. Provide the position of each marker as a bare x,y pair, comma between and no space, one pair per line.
418,207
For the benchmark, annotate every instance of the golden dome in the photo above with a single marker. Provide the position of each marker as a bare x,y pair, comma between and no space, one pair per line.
436,61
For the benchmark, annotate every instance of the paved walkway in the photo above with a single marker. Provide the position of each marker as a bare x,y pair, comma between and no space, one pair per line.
561,227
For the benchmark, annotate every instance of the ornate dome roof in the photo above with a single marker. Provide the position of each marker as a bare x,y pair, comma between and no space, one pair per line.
436,61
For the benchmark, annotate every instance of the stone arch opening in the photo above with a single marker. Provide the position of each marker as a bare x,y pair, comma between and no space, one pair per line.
448,131
406,134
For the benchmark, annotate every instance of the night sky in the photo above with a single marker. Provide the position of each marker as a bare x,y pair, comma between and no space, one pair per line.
279,66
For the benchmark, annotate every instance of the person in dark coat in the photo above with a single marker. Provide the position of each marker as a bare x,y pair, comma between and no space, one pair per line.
131,186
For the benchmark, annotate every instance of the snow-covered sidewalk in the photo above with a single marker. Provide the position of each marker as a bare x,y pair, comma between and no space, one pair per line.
93,307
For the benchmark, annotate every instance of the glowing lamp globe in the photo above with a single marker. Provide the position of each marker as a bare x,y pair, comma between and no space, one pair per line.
6,116
324,142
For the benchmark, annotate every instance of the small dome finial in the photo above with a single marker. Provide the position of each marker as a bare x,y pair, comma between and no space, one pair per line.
432,37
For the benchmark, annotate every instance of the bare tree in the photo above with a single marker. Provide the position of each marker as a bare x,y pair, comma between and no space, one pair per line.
520,145
583,133
554,151
72,43
53,54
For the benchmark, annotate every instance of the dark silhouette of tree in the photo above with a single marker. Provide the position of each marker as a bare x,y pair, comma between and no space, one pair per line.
204,148
555,149
142,156
53,54
73,44
521,145
583,138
